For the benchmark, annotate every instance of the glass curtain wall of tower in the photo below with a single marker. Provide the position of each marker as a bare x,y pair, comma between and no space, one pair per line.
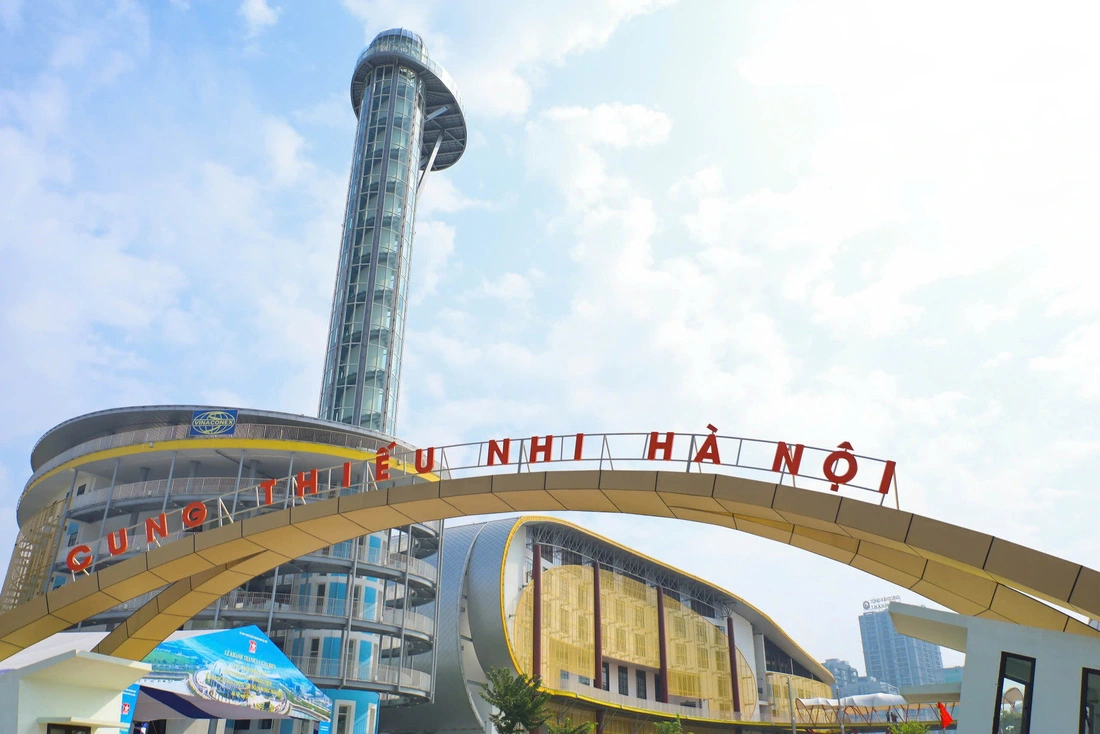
363,363
410,122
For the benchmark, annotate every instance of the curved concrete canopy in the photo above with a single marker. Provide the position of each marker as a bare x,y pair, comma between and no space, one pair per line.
966,571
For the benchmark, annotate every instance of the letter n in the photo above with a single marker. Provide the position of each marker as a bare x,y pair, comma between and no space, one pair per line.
783,457
499,451
156,527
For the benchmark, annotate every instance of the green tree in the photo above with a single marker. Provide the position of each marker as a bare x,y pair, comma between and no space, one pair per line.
670,727
566,727
520,705
909,727
1010,721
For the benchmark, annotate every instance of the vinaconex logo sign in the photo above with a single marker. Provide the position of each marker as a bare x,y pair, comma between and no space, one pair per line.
877,605
213,423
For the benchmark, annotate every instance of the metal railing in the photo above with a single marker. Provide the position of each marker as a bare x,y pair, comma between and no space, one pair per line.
321,667
155,488
615,451
338,439
326,606
380,557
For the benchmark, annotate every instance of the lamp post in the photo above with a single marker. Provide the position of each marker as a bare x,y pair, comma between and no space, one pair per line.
790,695
839,709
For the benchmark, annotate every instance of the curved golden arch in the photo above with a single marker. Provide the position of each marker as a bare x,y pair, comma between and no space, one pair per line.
966,571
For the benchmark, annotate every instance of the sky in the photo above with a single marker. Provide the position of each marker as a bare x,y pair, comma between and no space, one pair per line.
864,222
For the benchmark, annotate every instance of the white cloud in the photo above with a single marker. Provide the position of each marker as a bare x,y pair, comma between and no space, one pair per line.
983,315
1008,121
434,244
1076,360
564,144
504,46
512,288
333,111
379,15
440,196
284,148
997,360
258,16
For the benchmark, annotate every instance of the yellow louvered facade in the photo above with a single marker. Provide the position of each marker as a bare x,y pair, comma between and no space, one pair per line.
698,650
800,687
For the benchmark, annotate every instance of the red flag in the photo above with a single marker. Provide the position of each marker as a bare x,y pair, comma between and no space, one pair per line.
945,718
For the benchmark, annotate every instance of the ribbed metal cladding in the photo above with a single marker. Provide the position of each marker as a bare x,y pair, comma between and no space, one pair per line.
453,710
483,594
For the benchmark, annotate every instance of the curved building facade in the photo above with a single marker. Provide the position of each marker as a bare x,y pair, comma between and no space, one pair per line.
358,618
619,639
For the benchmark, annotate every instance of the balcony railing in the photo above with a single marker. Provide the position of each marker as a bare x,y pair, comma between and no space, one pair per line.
246,430
260,601
377,556
156,488
405,678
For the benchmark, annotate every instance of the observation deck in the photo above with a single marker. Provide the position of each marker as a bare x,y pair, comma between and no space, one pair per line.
443,111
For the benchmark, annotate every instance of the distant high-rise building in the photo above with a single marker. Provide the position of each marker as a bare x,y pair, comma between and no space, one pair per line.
953,674
850,683
845,674
894,658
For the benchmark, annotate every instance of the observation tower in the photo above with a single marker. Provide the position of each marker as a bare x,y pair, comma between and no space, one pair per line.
410,122
358,617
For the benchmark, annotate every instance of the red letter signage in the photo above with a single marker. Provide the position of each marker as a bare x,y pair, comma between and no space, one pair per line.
783,458
75,565
496,453
665,447
194,515
156,526
118,542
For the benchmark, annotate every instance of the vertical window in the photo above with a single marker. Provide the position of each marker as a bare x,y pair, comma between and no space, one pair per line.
606,677
639,684
624,682
1012,713
344,719
1090,701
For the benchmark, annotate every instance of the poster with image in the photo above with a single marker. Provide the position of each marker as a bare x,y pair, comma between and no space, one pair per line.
239,666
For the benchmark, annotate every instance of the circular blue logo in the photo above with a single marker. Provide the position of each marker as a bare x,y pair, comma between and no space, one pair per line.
214,423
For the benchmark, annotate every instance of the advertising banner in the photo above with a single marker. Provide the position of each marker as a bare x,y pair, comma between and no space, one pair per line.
239,667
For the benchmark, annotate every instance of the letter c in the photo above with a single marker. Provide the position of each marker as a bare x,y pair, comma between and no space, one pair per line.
75,565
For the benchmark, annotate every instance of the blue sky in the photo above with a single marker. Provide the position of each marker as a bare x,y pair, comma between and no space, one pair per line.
803,222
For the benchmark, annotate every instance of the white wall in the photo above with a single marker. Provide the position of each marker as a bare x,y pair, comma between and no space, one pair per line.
1060,658
743,638
37,699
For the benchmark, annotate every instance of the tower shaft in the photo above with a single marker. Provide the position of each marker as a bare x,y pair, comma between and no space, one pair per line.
366,334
